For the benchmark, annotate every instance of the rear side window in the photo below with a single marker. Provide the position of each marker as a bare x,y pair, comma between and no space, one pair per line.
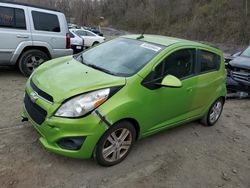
209,61
12,18
45,22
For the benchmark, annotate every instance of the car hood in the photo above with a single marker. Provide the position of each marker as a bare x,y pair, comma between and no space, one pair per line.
241,62
65,77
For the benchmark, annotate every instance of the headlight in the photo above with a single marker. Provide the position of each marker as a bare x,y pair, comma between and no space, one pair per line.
82,104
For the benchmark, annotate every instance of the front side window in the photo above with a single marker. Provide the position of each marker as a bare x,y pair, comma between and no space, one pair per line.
12,18
180,64
209,61
45,22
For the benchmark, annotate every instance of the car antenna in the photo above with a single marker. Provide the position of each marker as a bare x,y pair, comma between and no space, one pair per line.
144,28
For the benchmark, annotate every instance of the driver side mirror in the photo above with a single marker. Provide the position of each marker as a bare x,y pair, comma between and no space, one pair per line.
171,81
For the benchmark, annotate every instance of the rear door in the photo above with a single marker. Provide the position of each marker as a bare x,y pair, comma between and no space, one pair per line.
13,31
210,79
48,28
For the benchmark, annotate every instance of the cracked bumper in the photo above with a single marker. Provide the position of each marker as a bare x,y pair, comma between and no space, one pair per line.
54,129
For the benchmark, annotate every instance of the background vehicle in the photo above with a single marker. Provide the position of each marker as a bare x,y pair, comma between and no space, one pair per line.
238,72
90,38
30,35
73,26
77,43
95,30
103,99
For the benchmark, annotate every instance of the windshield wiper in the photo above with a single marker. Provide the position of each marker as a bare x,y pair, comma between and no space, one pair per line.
101,69
82,59
96,67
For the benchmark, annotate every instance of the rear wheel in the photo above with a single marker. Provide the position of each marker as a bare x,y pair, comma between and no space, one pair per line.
115,144
214,113
30,60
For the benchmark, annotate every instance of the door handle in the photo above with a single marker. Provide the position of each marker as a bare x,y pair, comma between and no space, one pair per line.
22,36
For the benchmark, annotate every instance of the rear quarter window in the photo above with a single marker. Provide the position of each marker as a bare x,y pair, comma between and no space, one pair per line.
45,22
208,61
12,18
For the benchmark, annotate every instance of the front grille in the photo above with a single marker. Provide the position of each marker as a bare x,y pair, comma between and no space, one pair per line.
41,93
241,76
36,113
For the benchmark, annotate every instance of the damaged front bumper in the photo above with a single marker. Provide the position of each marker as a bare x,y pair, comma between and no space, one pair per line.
75,138
234,85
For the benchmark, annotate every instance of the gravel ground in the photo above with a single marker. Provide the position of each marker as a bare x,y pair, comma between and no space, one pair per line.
187,156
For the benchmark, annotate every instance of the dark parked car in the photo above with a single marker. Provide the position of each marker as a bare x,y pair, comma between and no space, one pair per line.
95,30
238,71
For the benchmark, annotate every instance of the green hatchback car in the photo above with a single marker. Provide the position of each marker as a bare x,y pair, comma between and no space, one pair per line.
98,103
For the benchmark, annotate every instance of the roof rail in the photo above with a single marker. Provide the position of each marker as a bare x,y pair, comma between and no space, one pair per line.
27,5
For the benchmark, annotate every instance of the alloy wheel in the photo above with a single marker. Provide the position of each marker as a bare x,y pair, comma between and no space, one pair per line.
117,145
215,112
33,62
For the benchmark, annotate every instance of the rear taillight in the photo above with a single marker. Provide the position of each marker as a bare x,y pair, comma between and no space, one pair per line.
68,45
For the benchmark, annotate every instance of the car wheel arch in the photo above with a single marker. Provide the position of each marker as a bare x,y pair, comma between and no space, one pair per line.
134,122
41,48
95,43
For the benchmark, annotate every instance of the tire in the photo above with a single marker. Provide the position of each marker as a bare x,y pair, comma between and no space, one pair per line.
30,60
113,148
95,43
214,113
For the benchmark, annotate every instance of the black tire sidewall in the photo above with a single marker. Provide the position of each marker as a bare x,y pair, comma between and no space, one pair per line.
23,60
98,151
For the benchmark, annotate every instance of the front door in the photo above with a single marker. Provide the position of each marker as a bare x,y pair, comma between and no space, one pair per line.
165,106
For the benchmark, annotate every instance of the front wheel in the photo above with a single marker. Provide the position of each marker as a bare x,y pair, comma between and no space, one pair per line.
214,113
115,144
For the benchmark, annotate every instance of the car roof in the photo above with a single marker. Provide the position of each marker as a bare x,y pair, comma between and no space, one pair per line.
167,41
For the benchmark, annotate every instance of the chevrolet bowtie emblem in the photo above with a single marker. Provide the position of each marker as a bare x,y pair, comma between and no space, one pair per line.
33,97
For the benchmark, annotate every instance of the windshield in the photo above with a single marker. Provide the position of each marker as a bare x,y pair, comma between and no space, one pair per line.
246,52
121,56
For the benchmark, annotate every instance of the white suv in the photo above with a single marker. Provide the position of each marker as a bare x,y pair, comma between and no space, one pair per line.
30,35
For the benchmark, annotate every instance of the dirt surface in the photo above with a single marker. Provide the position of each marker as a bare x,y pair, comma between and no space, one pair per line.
188,156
